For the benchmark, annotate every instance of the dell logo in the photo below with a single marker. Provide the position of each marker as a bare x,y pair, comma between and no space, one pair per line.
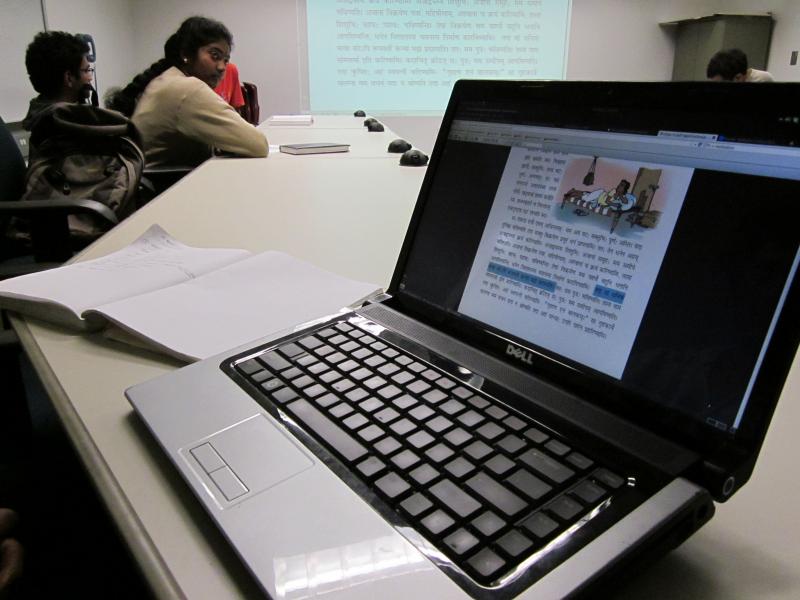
519,353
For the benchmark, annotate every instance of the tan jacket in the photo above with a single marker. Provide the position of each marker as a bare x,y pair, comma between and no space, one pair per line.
181,120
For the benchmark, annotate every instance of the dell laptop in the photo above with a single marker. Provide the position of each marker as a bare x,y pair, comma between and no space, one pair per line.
590,322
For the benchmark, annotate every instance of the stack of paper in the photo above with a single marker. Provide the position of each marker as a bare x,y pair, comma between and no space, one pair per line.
291,120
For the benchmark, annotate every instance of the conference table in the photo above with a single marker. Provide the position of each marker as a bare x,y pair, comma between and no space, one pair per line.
336,129
346,213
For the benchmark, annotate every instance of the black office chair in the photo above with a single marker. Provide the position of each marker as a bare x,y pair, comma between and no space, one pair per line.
48,245
14,414
12,182
156,180
251,111
49,242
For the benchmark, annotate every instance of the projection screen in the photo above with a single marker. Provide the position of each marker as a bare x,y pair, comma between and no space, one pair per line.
403,56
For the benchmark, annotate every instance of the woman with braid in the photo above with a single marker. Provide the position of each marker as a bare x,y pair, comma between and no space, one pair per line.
173,104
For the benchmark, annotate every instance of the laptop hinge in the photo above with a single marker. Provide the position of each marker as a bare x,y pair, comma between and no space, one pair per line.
719,480
378,299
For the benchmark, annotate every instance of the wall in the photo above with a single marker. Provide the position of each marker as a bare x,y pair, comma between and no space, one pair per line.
108,22
609,39
264,35
785,34
19,21
619,40
785,39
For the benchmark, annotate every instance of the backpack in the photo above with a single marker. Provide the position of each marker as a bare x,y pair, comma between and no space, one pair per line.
85,152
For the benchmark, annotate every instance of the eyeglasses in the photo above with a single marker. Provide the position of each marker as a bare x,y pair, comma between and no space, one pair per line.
87,70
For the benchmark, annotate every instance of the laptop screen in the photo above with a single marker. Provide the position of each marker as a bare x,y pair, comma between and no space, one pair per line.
647,248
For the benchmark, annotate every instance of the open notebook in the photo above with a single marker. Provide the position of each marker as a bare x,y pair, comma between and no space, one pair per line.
582,346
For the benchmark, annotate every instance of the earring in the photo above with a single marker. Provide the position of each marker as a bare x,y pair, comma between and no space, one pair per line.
186,60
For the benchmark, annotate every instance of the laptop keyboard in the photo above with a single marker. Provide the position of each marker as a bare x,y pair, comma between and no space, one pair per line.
483,483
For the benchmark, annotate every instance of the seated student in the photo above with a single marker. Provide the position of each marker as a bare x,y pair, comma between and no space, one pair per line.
59,70
731,65
173,104
230,88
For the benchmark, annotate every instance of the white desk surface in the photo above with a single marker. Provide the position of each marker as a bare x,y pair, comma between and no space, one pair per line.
322,122
363,143
349,216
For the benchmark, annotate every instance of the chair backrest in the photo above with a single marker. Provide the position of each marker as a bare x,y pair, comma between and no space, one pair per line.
41,226
251,110
12,166
159,179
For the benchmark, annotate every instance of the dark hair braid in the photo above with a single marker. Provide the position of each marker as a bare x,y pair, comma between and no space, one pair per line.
125,99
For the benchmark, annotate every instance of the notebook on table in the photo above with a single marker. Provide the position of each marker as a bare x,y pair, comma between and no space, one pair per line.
579,353
314,148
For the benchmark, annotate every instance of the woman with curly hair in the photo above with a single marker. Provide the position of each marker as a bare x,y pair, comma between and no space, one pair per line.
173,104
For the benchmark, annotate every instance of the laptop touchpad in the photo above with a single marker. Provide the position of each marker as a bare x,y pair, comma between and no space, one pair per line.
247,458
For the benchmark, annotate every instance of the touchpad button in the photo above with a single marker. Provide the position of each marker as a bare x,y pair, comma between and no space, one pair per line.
257,453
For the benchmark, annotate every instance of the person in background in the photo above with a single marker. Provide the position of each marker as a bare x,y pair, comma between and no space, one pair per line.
230,88
731,65
59,71
173,104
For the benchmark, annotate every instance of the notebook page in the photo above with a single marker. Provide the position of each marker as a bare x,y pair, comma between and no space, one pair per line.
151,262
228,307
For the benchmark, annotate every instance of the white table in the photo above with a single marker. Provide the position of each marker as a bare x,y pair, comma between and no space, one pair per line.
336,129
751,547
348,216
337,122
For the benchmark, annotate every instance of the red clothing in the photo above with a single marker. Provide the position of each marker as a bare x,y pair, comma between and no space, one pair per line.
229,88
